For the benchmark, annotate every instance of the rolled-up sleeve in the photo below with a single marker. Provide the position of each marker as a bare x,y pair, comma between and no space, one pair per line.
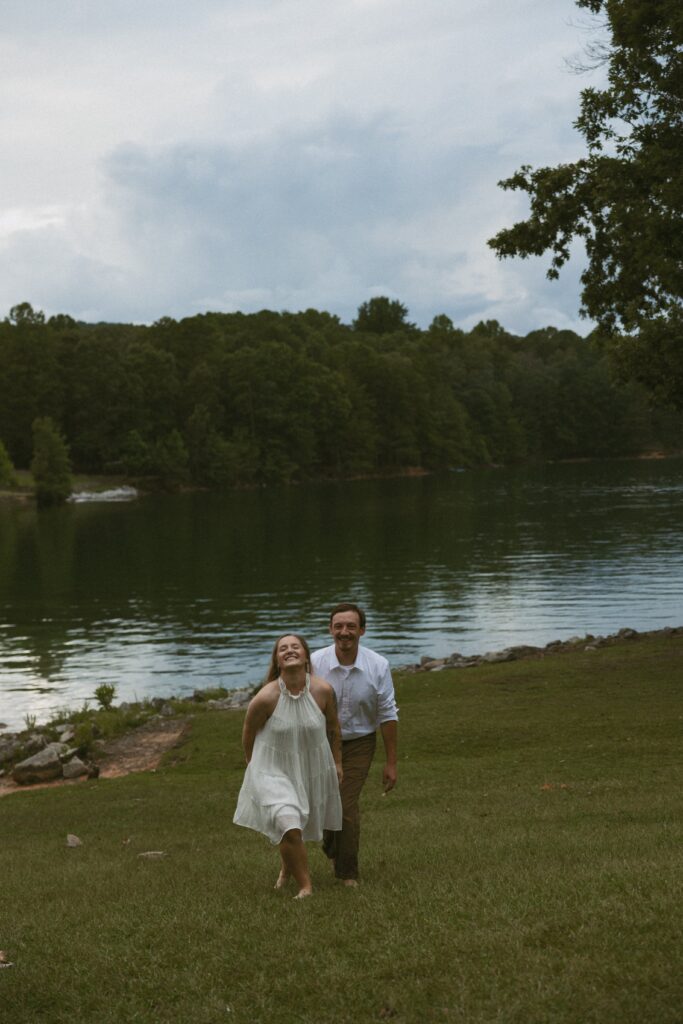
387,711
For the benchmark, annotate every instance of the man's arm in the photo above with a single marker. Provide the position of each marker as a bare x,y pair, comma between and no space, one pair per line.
389,732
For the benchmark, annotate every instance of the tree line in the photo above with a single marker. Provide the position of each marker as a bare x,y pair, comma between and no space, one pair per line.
232,399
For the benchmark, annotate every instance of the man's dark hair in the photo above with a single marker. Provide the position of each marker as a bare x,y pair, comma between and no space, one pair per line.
346,606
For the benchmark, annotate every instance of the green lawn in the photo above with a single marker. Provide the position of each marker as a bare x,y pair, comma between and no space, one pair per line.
526,870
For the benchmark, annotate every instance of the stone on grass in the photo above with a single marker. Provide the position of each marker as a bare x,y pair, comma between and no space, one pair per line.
73,841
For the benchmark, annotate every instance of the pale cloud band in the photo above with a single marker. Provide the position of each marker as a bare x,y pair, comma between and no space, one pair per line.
172,158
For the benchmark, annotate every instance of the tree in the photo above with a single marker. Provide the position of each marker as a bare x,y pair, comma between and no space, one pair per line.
50,466
382,316
8,477
624,199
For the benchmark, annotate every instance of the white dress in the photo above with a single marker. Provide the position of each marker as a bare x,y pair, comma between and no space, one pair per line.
291,780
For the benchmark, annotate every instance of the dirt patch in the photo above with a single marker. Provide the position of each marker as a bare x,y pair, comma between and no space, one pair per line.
142,749
138,751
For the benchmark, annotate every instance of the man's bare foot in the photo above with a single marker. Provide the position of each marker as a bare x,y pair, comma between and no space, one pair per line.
303,893
350,883
282,879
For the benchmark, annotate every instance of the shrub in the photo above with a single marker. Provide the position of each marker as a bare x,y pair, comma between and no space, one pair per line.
104,695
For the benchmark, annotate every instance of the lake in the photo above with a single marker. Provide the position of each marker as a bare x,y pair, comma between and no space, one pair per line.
165,594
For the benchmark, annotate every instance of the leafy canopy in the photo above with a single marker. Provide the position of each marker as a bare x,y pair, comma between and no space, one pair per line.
625,197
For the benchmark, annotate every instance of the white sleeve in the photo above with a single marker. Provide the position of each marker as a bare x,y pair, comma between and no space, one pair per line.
386,700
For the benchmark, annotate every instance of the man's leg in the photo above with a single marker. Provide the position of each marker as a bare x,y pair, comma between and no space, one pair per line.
342,846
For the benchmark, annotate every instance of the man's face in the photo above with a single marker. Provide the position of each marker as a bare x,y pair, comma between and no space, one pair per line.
347,631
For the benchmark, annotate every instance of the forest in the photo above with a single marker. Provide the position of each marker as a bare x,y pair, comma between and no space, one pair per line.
234,399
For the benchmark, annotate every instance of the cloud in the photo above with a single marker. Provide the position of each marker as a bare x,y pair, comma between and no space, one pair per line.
278,154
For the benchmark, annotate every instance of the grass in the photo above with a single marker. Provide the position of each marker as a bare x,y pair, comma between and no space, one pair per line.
526,870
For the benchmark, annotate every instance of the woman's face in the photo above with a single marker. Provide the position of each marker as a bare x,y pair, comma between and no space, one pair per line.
290,653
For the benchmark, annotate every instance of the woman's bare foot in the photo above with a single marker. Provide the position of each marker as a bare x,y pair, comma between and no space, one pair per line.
303,893
282,879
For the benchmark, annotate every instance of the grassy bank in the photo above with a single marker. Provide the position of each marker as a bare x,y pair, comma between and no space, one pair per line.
526,870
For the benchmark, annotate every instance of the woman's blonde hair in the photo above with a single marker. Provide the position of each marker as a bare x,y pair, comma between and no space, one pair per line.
274,668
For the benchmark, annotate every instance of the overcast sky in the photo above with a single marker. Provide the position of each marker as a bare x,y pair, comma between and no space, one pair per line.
168,157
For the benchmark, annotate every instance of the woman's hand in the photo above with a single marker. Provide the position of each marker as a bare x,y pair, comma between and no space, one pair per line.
340,773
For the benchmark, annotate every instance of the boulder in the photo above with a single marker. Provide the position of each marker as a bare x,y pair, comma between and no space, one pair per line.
75,769
36,741
41,767
67,734
493,657
433,664
9,748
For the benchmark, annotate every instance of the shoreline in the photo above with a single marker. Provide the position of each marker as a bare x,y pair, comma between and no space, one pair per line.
57,753
100,482
238,698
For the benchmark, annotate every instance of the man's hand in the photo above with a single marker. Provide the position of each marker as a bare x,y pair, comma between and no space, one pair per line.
389,777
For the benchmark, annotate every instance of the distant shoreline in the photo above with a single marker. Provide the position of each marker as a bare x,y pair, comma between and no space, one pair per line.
23,493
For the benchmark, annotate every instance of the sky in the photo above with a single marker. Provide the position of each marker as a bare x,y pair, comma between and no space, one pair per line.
168,157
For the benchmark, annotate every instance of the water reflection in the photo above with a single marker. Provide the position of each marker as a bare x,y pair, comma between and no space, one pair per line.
167,594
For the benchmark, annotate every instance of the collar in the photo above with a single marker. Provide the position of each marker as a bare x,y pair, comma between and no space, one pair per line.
359,663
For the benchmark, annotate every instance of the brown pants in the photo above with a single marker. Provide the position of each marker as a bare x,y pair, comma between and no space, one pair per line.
342,847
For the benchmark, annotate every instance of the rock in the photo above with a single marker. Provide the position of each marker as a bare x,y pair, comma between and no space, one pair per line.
9,748
426,658
167,711
67,735
75,769
35,741
430,666
493,657
73,841
524,651
40,767
152,854
627,634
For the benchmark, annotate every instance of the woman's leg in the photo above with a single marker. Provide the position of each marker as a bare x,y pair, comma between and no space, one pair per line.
283,877
295,861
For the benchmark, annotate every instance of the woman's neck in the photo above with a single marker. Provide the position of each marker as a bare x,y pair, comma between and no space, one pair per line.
294,678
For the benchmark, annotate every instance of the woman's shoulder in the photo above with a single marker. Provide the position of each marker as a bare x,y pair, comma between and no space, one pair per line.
320,685
267,696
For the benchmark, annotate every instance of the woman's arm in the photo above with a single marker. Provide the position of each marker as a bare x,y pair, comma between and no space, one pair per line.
258,713
333,730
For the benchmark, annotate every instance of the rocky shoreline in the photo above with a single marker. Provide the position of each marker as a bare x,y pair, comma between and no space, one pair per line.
50,754
38,756
589,642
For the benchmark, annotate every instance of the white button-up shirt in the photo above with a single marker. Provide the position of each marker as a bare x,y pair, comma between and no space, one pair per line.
365,690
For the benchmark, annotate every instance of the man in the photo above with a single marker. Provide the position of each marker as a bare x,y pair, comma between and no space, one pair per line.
362,683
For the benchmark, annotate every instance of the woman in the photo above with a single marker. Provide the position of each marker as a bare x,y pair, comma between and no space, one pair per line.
292,744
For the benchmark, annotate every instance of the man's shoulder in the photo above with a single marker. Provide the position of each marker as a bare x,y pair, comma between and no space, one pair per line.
323,654
372,659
